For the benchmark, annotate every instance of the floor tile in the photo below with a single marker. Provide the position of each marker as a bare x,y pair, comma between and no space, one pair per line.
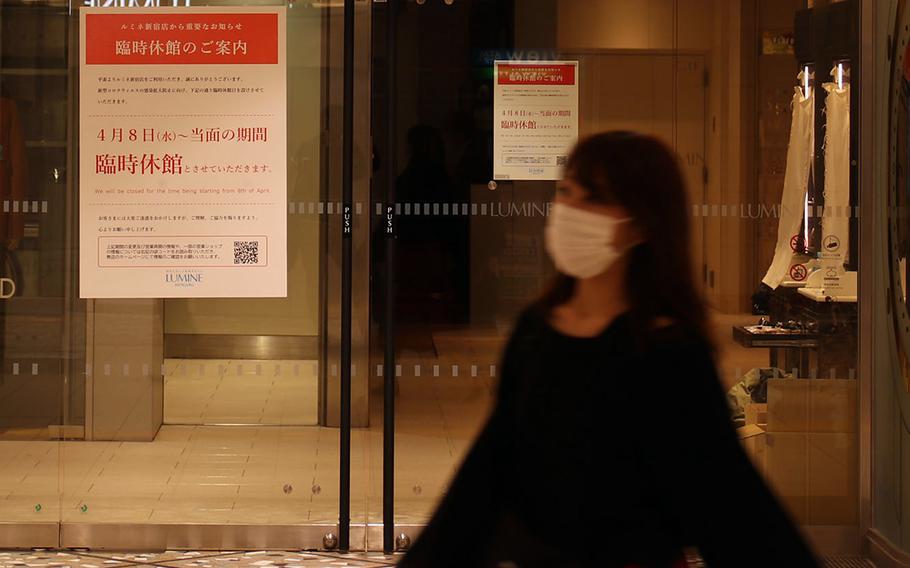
221,391
286,560
45,559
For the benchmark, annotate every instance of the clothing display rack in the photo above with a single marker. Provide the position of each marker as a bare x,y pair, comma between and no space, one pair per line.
807,325
825,37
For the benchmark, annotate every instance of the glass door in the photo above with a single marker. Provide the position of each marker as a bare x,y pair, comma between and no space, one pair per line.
167,420
459,250
230,438
37,389
468,247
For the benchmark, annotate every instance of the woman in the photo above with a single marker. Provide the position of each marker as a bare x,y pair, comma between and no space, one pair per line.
611,443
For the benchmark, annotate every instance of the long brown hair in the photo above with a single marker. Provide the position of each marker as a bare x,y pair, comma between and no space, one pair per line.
641,174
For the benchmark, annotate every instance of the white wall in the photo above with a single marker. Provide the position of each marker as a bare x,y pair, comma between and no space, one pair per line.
709,135
635,24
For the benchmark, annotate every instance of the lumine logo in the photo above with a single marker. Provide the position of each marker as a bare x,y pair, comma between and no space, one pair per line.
183,279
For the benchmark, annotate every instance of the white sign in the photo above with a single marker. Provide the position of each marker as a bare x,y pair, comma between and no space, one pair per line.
535,107
182,153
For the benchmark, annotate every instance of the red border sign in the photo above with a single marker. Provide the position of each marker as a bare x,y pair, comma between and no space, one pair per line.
536,74
149,39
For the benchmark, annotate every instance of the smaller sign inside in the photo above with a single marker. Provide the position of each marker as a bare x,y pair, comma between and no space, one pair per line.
535,109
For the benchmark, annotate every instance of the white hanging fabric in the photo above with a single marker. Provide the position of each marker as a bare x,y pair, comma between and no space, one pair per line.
836,214
796,182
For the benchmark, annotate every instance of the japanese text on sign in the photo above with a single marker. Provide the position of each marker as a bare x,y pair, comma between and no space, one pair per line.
183,153
535,119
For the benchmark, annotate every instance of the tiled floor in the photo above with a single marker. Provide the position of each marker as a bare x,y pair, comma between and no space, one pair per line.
221,391
180,559
276,474
188,474
259,559
243,474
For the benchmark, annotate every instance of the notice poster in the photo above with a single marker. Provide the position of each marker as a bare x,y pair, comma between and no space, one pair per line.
535,109
182,153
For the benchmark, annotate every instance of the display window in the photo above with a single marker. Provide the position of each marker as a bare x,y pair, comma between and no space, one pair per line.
262,259
755,101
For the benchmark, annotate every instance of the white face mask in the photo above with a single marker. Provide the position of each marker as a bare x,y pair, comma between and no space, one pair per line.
581,242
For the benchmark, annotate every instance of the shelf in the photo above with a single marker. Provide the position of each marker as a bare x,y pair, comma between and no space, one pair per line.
797,339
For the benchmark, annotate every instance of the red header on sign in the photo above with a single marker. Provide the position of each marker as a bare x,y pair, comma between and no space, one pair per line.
536,74
149,39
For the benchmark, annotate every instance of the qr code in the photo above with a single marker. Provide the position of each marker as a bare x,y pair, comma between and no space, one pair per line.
246,252
562,160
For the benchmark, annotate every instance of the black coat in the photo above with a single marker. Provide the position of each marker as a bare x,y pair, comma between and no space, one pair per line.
599,453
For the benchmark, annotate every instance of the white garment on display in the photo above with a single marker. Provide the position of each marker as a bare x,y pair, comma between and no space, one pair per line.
836,214
796,182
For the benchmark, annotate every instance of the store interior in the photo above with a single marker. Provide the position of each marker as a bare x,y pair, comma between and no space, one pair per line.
234,429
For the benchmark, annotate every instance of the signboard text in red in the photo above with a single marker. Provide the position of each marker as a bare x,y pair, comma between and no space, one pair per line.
144,39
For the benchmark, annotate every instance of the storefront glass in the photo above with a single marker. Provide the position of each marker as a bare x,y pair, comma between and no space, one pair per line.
184,410
37,356
141,410
763,154
890,332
